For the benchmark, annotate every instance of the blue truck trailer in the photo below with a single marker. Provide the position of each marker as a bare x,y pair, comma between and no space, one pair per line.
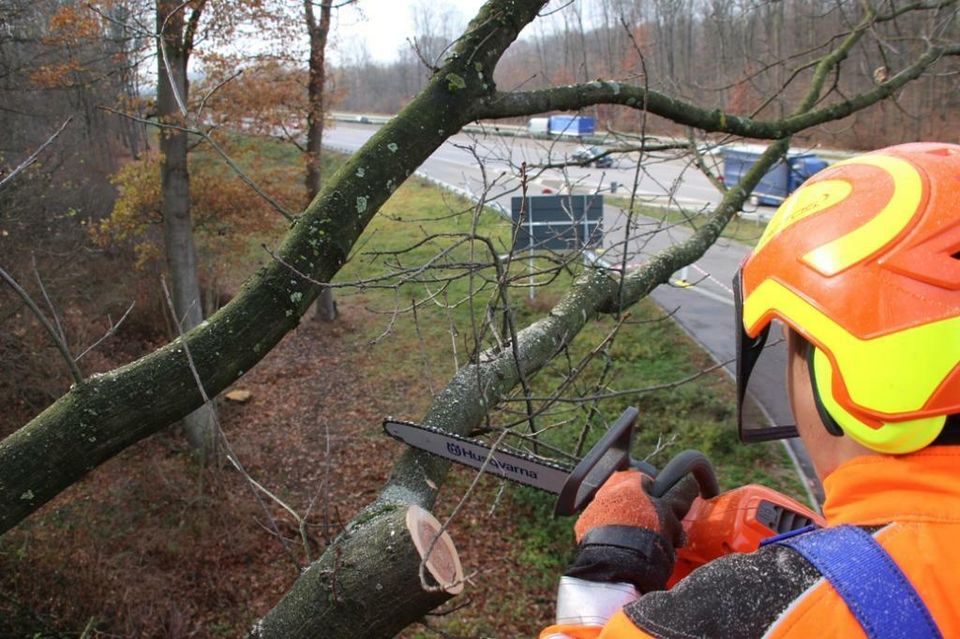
779,182
573,125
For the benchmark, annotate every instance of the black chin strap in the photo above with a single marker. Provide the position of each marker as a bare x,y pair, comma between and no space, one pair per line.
828,421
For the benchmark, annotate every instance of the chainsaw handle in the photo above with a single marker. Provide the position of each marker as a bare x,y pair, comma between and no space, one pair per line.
610,454
688,462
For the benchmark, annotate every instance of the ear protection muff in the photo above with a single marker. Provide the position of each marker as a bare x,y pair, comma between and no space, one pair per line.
894,437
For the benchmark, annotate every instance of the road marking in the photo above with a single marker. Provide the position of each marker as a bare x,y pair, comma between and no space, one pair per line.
713,279
710,294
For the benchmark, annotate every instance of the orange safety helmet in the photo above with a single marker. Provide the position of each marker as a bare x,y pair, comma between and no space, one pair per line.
863,261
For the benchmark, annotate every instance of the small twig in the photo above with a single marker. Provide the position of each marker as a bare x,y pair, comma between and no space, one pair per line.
61,346
304,522
456,510
113,329
246,179
169,69
633,391
423,350
33,156
453,328
289,137
88,628
432,66
222,83
393,319
46,298
662,445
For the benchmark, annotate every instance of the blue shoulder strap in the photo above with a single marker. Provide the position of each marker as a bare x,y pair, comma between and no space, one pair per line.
866,577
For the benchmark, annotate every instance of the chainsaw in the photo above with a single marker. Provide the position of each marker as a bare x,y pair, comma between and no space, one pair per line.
717,524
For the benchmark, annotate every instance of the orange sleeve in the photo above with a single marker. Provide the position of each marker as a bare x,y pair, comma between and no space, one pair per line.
571,632
619,627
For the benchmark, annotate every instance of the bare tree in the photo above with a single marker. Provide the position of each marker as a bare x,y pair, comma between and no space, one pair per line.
44,208
177,35
731,55
317,31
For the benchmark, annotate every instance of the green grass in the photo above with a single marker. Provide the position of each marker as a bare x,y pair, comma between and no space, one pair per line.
739,230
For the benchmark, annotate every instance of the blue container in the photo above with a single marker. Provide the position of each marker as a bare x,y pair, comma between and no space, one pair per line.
574,125
779,182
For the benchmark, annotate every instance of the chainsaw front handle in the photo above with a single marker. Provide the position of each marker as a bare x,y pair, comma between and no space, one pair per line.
610,454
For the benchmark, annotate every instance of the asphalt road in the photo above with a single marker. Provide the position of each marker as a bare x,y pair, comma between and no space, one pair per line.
704,310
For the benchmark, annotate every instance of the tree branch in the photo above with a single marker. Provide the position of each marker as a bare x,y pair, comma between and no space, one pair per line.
57,340
193,25
62,444
36,154
578,96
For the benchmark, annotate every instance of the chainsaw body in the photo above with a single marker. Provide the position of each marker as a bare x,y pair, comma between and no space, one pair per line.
737,521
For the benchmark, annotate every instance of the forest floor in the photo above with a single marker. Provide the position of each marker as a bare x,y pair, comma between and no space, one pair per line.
149,545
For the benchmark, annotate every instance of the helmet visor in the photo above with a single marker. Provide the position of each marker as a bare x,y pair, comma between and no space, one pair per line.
753,422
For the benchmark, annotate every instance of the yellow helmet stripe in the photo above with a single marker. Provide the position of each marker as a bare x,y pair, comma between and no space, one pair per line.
874,370
803,203
880,230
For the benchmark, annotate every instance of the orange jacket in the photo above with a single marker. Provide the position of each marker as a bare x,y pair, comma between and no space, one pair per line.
910,502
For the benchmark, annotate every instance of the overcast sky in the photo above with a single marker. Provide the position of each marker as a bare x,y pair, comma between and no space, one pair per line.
383,26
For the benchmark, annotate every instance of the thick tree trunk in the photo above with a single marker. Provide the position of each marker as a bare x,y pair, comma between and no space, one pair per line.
337,598
325,308
200,425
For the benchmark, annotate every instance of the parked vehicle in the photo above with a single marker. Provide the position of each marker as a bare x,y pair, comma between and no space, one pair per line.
587,153
575,125
539,126
779,182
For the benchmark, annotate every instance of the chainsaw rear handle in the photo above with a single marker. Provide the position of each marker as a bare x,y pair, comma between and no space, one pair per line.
688,462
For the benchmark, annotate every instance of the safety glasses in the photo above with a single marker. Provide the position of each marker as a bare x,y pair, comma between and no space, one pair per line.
752,423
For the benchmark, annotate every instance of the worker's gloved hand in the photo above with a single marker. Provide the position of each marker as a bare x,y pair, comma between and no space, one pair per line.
627,535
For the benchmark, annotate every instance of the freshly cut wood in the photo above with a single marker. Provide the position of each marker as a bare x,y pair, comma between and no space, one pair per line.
371,586
238,395
436,550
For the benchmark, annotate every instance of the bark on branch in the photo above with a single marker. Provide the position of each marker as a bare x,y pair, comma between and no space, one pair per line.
336,598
